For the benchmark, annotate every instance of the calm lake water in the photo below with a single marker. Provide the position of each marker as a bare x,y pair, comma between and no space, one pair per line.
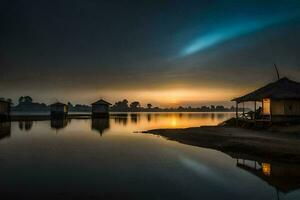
110,159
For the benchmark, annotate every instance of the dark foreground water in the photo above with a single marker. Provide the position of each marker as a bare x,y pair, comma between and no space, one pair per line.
109,159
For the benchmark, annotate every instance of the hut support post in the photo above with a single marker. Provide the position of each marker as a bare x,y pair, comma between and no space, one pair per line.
237,110
262,108
243,109
254,110
271,111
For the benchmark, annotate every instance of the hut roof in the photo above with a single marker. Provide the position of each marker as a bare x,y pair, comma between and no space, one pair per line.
283,88
4,101
58,104
101,102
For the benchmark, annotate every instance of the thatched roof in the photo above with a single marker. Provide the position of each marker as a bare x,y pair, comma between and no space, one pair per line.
101,102
284,88
4,101
58,104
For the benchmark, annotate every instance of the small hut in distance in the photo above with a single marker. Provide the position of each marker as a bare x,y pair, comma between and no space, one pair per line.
4,109
280,102
100,108
59,109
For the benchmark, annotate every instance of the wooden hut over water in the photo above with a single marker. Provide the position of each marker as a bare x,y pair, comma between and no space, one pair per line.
280,102
4,110
59,109
100,108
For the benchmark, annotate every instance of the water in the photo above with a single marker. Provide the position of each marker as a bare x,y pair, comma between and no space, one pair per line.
110,159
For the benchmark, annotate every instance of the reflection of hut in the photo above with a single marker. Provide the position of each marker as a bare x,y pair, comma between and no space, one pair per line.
280,102
5,128
27,125
59,123
59,109
100,124
283,176
4,110
100,108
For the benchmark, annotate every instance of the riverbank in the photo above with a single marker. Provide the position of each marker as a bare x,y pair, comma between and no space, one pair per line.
270,145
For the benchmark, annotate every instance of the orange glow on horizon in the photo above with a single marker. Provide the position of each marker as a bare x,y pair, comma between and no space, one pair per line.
169,97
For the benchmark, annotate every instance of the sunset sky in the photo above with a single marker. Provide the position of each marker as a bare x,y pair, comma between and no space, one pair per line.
166,52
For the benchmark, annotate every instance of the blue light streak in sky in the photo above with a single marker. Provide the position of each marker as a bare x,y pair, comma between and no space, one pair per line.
222,34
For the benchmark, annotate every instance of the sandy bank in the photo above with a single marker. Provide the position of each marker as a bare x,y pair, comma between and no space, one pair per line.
269,145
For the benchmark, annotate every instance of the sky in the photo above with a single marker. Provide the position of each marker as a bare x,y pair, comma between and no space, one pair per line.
166,52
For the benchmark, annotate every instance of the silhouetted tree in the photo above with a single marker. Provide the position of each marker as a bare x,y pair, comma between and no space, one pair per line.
121,106
28,99
25,99
220,108
10,101
70,106
21,99
149,106
134,106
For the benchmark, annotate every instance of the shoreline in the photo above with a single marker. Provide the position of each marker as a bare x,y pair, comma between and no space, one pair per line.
270,146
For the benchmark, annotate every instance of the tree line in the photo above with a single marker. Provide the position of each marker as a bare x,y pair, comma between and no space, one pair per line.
26,104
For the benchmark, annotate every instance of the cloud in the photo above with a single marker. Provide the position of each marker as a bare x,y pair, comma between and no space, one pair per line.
229,31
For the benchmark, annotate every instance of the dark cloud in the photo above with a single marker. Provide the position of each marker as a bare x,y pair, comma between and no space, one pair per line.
70,46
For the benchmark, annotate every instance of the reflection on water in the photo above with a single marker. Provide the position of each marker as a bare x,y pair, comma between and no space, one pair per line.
120,118
100,124
145,121
59,123
169,120
284,177
135,117
5,130
25,125
124,164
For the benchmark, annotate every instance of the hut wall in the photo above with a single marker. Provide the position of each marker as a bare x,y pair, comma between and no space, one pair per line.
59,109
292,107
100,108
277,107
4,108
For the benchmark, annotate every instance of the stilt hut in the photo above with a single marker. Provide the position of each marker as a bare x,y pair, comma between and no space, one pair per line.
100,108
280,102
4,110
59,110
